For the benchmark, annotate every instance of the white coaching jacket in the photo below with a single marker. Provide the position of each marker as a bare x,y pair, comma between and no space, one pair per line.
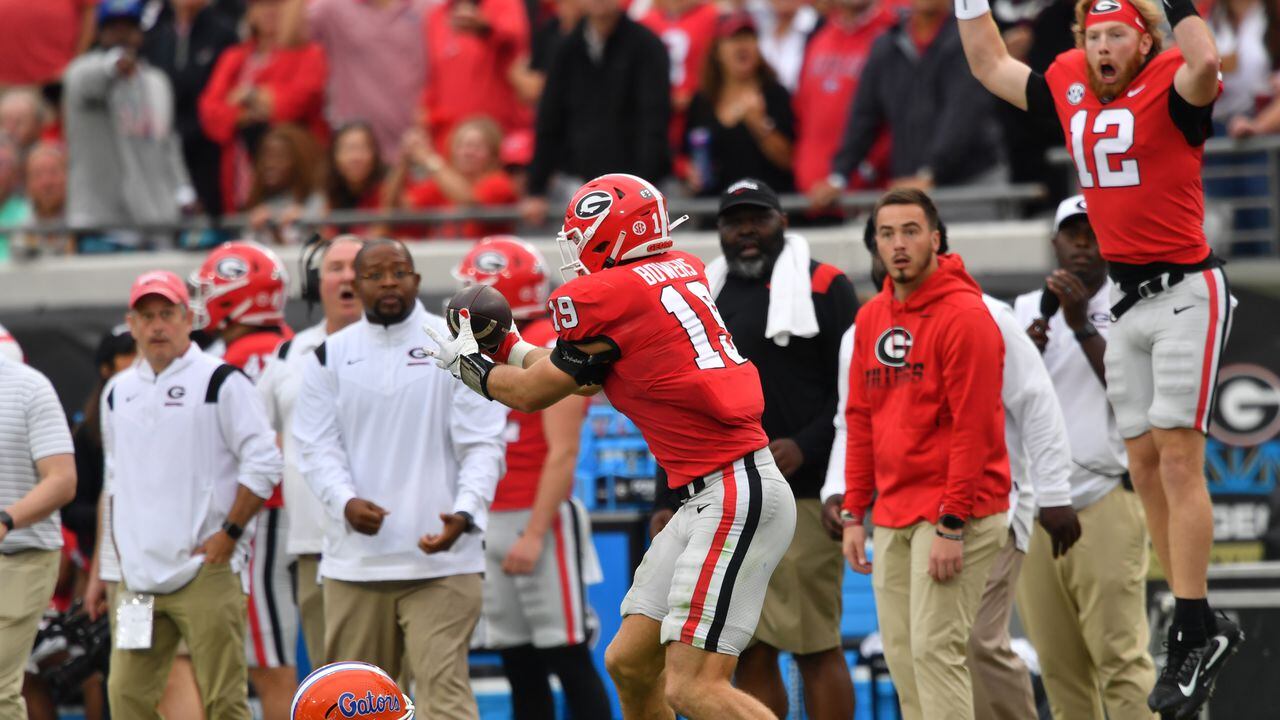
177,447
377,419
1035,431
279,386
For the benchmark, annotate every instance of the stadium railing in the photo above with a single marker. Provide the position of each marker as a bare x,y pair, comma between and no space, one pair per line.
1004,201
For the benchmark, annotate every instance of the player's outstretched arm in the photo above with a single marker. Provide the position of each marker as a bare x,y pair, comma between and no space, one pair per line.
989,59
530,389
1197,80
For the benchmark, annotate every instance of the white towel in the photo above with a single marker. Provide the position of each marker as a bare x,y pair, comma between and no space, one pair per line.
791,312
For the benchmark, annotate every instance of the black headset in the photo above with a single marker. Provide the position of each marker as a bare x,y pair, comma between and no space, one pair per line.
309,265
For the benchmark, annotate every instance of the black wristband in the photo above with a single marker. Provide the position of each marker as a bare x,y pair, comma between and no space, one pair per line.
1086,332
471,522
1178,10
475,369
232,530
6,520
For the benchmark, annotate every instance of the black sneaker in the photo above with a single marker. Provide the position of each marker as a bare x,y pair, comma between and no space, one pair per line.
1165,697
1202,665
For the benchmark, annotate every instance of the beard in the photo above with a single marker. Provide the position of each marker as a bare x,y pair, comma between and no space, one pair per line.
760,266
1109,91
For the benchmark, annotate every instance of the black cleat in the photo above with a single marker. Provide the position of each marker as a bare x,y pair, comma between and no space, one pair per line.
1165,697
1187,681
1201,668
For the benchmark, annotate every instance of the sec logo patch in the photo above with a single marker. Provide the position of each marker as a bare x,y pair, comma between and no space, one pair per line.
1075,93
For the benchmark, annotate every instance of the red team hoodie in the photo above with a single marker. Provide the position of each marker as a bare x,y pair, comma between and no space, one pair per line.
925,418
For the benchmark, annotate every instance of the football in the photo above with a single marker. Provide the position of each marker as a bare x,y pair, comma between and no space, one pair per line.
490,314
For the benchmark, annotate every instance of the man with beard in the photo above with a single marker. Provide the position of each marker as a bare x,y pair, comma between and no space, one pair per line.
925,434
405,462
1039,464
787,313
1135,119
328,278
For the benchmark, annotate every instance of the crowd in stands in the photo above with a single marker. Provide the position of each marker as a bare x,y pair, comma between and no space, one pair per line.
123,117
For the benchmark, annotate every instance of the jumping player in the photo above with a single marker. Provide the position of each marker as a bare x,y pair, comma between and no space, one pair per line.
538,551
637,318
1135,118
238,298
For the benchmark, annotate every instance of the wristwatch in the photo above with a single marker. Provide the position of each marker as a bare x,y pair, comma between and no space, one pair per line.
471,521
1086,332
232,530
951,522
848,519
6,520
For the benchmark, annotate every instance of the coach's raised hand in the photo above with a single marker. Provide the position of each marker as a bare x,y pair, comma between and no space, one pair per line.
364,516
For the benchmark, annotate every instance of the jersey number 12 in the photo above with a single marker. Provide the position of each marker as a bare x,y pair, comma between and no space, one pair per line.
1108,142
678,306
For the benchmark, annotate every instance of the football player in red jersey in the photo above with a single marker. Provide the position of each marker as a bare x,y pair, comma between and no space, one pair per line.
538,551
637,318
1135,118
238,298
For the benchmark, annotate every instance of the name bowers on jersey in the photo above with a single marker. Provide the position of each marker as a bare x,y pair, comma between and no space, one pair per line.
654,273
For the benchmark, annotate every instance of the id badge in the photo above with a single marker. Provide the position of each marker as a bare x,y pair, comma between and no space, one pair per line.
134,615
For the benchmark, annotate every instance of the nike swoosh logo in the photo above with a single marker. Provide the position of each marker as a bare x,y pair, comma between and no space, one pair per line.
1178,310
353,362
1220,645
1136,90
702,507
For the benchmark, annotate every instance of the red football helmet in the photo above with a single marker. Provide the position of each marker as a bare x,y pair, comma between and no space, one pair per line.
511,266
612,219
242,282
348,690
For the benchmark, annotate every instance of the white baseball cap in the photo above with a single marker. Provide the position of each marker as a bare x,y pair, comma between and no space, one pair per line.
1068,209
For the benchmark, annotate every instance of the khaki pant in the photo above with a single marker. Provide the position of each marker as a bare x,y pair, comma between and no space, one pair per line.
925,624
209,614
26,586
1086,614
1001,681
802,607
427,622
311,607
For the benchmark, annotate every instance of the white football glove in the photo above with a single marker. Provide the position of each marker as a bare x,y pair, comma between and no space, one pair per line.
461,356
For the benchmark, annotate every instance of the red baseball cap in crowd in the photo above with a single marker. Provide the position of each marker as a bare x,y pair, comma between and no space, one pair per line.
735,22
162,283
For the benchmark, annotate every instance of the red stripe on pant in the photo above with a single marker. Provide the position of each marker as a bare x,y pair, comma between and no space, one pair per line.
1207,374
255,631
565,586
728,511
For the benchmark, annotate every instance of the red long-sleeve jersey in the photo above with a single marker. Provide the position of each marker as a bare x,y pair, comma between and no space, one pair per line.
925,419
295,79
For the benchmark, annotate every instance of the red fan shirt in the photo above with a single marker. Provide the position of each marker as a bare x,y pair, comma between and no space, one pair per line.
829,78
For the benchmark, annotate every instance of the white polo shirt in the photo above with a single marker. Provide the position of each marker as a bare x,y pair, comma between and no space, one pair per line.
32,427
378,419
1097,450
279,386
1035,433
178,446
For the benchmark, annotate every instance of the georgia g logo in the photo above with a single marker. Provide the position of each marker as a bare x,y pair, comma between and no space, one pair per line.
893,346
491,262
231,268
1102,7
592,204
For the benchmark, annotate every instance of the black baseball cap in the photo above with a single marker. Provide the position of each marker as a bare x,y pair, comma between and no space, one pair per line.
749,191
